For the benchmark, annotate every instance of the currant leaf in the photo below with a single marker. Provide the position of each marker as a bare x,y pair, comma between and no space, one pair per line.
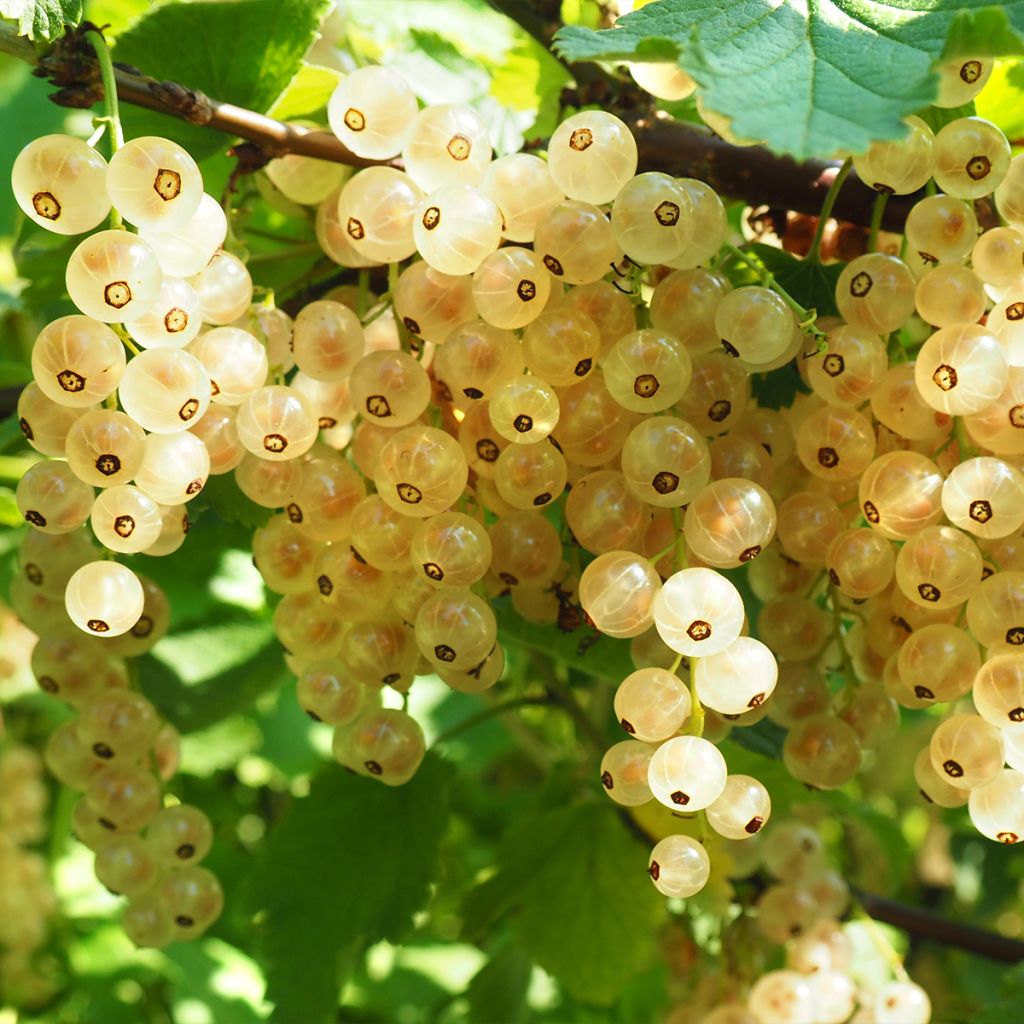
832,76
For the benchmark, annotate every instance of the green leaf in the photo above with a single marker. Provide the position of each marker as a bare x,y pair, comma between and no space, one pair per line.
219,747
938,117
531,79
13,373
1011,998
42,260
117,14
778,388
349,864
42,20
498,990
308,92
224,498
573,884
982,33
1002,99
888,859
199,676
812,284
475,29
829,76
10,514
604,659
439,71
10,432
238,51
764,738
784,789
194,966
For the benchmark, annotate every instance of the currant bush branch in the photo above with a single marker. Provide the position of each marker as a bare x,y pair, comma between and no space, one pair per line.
73,66
749,173
849,676
928,926
826,209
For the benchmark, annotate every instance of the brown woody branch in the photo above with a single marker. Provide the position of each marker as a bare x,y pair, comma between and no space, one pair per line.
925,925
685,150
755,174
920,924
71,65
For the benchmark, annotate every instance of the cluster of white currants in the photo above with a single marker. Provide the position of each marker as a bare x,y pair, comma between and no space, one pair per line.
380,587
27,900
152,290
162,284
932,569
801,910
698,614
118,752
529,360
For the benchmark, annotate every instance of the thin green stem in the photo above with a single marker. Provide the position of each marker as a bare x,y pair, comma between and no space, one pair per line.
807,316
363,296
950,438
99,44
406,339
572,554
877,212
60,823
963,440
273,236
826,208
680,561
14,467
883,945
702,826
378,311
659,555
113,115
812,591
695,727
126,340
849,676
302,249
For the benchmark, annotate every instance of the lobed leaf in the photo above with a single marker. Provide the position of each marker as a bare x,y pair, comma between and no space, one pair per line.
498,990
604,659
199,676
987,32
573,883
349,864
830,76
307,93
42,20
